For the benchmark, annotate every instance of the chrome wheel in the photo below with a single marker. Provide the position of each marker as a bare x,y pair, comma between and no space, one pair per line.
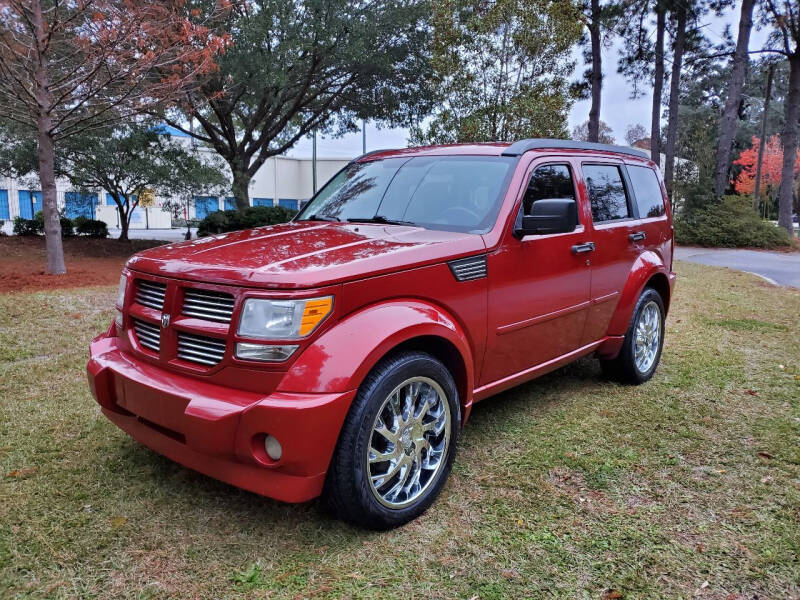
409,441
647,337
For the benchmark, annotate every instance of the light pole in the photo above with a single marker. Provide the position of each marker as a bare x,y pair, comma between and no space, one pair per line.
314,161
363,136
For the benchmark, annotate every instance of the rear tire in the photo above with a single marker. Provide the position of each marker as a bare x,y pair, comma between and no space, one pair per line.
641,349
397,444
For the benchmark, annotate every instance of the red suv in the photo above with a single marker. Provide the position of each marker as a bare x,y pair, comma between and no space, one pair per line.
340,354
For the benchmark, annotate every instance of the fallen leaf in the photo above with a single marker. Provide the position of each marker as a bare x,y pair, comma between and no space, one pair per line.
704,585
21,472
751,392
766,455
700,548
612,594
117,522
510,574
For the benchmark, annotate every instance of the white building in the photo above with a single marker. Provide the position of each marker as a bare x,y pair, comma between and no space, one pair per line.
281,181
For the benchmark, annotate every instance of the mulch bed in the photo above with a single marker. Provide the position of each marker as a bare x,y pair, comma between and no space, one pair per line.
90,262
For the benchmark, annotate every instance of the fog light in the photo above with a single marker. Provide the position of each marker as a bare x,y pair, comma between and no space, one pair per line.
265,352
273,448
118,319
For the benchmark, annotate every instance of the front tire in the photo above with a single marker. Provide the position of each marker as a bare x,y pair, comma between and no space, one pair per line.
644,340
397,444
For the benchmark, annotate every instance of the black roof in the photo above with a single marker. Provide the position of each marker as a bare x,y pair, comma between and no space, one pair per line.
522,146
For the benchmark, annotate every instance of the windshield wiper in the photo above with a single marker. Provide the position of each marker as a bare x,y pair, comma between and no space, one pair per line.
326,218
380,219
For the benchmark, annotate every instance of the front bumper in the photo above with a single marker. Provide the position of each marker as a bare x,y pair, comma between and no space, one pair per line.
216,430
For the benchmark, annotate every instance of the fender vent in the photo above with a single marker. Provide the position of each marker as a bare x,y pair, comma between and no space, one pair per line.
467,269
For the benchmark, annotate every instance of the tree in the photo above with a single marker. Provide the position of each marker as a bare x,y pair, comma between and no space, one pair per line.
129,159
501,68
68,67
771,165
597,18
727,127
785,40
674,98
606,135
302,65
635,133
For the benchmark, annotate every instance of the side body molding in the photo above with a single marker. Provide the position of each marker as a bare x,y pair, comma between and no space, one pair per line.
340,359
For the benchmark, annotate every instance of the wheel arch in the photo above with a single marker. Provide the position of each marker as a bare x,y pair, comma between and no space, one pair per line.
648,270
343,356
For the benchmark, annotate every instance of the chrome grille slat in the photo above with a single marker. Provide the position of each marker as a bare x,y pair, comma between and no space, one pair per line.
147,334
207,304
200,349
150,294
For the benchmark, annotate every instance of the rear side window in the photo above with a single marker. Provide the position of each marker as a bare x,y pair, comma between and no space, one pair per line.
647,190
548,182
606,192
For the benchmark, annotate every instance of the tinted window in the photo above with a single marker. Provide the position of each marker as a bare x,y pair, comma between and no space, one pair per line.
606,192
548,182
647,190
458,193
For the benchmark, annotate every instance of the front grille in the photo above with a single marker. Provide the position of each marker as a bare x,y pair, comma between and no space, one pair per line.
147,334
200,349
150,293
207,304
467,269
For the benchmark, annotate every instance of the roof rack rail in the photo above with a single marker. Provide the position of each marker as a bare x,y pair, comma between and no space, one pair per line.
522,146
371,152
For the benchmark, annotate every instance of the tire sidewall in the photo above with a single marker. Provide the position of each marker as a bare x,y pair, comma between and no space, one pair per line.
648,295
405,367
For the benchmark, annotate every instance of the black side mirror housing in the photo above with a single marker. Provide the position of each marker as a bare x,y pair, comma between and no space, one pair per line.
552,215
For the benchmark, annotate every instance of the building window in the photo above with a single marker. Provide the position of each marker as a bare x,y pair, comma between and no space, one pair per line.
30,203
4,214
80,204
230,203
263,202
288,203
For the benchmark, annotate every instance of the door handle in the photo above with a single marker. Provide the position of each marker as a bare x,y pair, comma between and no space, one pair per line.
581,248
637,236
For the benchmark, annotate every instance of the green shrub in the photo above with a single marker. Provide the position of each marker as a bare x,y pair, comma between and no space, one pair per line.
67,227
731,223
90,227
235,220
28,226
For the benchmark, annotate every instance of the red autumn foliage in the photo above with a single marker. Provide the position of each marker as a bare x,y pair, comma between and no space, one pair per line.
770,166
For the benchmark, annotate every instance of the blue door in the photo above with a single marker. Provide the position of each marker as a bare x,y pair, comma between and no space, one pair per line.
230,203
29,203
205,205
288,203
262,202
80,205
4,214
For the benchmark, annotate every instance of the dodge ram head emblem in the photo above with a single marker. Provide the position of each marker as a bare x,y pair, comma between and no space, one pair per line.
165,320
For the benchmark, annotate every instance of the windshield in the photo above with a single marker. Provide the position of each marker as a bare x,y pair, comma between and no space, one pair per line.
453,193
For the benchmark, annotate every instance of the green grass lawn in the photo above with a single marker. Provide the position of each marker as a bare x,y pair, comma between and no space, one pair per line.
569,486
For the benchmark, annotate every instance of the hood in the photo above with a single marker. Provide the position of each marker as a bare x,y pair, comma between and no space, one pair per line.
304,254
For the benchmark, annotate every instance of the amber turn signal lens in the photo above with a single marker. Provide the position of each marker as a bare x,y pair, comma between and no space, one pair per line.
314,312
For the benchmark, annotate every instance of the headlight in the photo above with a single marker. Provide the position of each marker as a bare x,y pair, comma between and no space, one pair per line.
283,319
123,285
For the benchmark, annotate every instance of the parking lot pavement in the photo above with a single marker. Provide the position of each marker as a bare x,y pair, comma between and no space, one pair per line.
780,268
167,235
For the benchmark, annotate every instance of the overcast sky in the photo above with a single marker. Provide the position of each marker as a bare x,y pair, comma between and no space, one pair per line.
617,109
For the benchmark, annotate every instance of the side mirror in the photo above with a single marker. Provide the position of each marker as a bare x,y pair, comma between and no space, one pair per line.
556,215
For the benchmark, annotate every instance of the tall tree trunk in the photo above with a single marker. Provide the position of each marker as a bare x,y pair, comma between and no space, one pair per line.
658,87
46,152
240,186
124,222
789,141
674,100
762,140
597,73
727,126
